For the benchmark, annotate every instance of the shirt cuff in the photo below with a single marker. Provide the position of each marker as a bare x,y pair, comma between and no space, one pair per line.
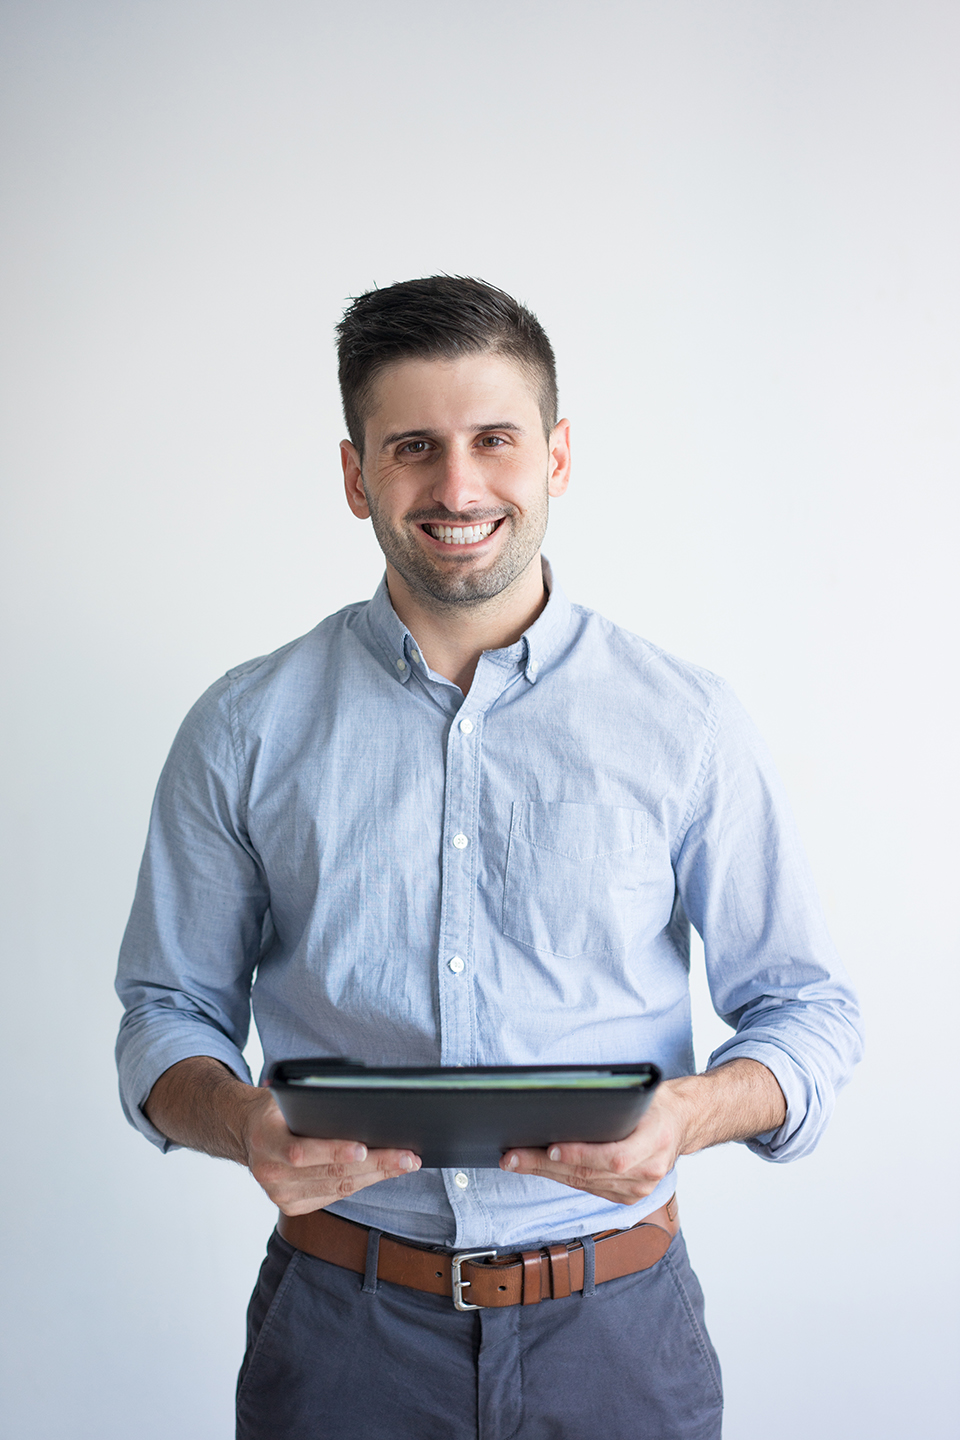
809,1105
141,1065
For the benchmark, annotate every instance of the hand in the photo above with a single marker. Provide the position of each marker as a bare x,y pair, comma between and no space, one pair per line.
300,1174
200,1103
623,1171
734,1101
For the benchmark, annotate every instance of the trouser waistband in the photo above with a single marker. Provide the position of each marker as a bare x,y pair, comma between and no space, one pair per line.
523,1278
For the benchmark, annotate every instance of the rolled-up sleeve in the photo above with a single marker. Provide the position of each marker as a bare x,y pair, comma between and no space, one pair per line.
192,943
772,967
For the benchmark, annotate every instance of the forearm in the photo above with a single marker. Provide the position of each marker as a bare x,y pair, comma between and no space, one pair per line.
735,1101
201,1104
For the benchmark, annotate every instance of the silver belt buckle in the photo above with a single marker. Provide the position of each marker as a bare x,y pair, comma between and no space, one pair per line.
459,1284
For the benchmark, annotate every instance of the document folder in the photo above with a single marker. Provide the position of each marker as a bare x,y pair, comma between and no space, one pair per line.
462,1116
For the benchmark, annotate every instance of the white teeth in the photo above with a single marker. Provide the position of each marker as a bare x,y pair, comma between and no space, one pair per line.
461,534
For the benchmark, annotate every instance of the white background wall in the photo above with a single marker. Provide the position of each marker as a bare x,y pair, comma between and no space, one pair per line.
739,222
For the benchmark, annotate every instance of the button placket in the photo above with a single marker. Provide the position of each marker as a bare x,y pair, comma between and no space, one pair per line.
458,891
458,888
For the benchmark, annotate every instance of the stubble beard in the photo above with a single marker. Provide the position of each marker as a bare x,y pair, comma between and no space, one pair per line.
442,583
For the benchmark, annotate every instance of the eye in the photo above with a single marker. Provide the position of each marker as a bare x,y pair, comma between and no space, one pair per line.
492,441
415,447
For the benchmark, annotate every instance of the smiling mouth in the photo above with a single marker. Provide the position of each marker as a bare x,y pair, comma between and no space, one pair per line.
462,534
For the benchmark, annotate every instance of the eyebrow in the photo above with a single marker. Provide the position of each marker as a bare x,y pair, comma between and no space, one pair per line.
398,435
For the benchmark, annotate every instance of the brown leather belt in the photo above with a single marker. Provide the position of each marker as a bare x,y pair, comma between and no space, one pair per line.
493,1280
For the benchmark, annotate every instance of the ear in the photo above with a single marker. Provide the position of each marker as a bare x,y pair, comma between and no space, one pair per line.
558,471
353,480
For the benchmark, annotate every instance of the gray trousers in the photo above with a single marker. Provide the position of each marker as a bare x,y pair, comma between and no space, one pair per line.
333,1356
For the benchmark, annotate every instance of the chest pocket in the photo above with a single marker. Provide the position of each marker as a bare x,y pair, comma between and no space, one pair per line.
575,878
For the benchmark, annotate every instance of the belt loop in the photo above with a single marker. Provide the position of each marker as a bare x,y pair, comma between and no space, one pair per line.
559,1271
589,1266
369,1286
531,1277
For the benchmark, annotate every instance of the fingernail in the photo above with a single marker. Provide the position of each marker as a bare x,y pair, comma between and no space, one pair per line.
406,1162
513,1161
360,1153
554,1152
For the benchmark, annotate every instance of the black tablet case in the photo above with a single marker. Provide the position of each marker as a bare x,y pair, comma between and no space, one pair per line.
467,1128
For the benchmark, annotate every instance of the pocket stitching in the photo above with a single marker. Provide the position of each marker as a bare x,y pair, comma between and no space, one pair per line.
270,1318
519,830
668,1262
518,836
575,855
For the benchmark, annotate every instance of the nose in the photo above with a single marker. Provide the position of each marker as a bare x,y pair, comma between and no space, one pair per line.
456,484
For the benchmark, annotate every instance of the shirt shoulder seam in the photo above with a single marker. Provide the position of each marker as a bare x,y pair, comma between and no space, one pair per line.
243,787
706,756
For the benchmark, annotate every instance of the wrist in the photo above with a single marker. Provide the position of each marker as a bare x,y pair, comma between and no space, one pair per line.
200,1103
733,1101
683,1100
238,1107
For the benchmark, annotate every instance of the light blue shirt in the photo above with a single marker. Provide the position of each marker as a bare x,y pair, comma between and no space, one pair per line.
339,827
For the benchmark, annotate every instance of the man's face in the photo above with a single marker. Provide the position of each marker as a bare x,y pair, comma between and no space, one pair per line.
456,476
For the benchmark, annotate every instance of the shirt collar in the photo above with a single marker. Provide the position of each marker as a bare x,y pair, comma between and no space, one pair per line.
550,628
533,650
392,635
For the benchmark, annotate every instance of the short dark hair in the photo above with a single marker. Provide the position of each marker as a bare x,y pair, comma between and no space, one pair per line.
439,317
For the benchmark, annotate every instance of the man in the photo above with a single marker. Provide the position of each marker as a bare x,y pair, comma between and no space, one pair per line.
470,823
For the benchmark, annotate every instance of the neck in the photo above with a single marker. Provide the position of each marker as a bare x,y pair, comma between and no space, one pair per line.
452,638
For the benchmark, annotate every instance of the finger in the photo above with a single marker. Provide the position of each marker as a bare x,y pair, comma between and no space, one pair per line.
556,1160
298,1190
523,1161
598,1159
370,1165
390,1161
618,1189
580,1166
538,1162
302,1152
315,1153
616,1180
364,1175
616,1158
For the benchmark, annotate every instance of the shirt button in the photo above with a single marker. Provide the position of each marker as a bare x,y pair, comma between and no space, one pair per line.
401,665
461,842
462,1180
534,666
466,726
415,654
457,965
